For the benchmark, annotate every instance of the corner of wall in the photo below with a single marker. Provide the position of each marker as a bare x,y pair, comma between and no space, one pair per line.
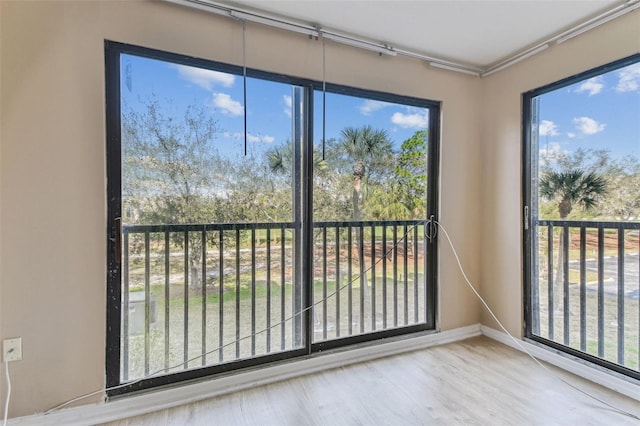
501,140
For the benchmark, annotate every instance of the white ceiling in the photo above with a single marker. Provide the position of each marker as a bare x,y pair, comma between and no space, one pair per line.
478,33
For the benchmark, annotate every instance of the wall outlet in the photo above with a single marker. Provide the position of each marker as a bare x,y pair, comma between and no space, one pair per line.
12,349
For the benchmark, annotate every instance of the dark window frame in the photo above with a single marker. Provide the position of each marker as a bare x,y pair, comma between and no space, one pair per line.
528,215
113,51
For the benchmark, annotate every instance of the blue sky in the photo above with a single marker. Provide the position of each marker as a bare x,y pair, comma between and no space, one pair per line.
268,105
599,113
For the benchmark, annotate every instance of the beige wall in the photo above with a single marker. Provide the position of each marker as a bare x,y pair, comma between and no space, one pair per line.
52,167
52,164
501,246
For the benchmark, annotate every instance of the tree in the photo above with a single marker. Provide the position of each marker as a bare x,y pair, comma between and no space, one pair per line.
169,169
568,189
168,164
622,175
411,174
404,196
327,197
368,150
623,195
572,187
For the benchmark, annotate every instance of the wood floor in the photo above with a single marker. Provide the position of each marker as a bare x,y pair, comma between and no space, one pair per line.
474,382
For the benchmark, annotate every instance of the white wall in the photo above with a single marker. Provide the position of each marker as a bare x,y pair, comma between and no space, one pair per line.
52,166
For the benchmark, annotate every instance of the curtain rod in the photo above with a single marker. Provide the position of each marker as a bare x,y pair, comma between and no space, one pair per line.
383,48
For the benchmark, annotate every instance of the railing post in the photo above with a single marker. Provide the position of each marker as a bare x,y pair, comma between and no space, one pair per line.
363,275
283,288
268,290
338,281
620,296
237,234
125,308
416,314
221,295
395,275
565,283
601,291
373,277
384,276
350,280
405,271
253,292
204,298
324,282
186,301
583,289
550,282
167,297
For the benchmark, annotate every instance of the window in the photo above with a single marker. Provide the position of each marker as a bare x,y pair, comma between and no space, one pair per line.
241,237
582,215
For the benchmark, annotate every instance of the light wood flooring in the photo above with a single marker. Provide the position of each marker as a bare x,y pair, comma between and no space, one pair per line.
474,382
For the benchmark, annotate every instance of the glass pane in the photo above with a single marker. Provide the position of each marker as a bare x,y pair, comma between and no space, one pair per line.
208,226
369,208
586,211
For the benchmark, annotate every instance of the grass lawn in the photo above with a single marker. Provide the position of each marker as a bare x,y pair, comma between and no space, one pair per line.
343,317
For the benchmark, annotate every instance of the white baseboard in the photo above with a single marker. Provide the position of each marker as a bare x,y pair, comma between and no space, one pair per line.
579,367
136,405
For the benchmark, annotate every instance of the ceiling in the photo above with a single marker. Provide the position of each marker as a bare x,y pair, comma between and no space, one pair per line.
477,33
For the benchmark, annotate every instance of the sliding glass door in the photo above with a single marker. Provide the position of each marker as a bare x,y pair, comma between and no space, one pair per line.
369,208
239,236
582,215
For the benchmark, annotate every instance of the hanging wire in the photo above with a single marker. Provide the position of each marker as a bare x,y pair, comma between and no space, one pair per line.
355,279
324,97
244,80
383,257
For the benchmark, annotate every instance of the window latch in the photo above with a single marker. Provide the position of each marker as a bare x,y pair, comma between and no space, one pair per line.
117,240
526,218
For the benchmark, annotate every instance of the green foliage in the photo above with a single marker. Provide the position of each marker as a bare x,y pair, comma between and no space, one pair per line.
172,173
167,165
411,174
622,176
573,187
370,153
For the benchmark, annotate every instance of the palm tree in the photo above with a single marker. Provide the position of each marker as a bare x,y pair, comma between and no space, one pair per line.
570,188
280,159
365,148
573,187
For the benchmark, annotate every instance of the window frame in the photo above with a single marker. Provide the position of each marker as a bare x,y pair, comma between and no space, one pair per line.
529,216
113,52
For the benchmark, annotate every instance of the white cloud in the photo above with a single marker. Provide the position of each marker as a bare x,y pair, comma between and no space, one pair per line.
410,120
571,135
588,126
593,86
250,137
287,104
227,105
548,128
260,138
205,78
629,79
370,106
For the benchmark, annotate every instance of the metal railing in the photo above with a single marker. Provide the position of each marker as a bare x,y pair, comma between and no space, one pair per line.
586,288
232,291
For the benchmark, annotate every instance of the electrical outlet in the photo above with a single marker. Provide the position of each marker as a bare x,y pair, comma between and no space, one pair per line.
12,349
